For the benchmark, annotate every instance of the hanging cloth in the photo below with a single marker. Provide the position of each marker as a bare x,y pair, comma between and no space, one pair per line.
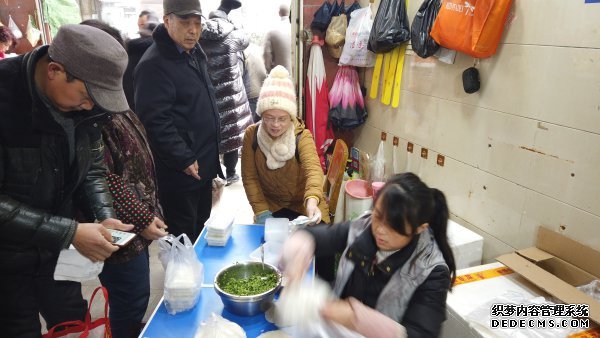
317,102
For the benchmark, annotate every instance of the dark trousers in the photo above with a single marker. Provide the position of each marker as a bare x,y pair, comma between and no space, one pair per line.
230,160
28,289
128,286
186,212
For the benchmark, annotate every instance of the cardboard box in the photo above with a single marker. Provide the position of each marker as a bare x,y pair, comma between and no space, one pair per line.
467,246
557,264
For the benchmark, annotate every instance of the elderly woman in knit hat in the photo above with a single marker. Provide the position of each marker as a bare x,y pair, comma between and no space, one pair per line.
281,172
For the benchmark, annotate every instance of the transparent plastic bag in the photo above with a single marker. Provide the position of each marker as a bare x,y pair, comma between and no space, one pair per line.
218,184
299,305
164,249
480,318
378,165
219,327
592,289
183,277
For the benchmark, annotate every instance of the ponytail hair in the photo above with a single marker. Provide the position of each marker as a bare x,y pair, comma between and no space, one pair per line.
405,199
439,225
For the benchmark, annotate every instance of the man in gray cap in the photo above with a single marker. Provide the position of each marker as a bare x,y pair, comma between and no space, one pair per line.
52,102
175,101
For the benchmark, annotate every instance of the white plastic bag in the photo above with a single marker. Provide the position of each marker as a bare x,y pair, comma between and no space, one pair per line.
355,52
378,165
14,28
219,327
299,306
183,278
164,249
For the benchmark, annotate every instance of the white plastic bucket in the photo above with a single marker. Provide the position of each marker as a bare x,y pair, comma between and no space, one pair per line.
358,199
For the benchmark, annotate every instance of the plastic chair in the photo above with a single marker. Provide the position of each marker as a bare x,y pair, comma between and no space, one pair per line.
335,174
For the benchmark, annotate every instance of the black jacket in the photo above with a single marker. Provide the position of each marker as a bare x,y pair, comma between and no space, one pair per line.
39,188
176,103
135,50
224,44
427,308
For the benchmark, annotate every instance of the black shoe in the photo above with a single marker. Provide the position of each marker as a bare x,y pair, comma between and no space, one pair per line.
232,179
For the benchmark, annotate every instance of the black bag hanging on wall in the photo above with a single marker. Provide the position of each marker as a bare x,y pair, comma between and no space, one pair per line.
322,17
351,9
390,27
422,43
336,9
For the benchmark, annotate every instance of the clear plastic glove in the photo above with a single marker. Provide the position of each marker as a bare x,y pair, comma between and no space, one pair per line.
298,251
262,217
301,222
312,210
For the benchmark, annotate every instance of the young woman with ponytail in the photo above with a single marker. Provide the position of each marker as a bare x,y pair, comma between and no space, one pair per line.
396,266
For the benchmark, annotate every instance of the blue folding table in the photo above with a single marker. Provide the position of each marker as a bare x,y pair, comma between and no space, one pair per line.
244,239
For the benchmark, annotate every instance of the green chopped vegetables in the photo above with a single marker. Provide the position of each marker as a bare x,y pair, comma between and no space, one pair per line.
257,283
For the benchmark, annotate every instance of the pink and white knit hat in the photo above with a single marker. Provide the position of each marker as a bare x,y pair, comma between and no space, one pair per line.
277,92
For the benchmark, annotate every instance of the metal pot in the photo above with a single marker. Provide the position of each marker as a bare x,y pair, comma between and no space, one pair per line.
247,305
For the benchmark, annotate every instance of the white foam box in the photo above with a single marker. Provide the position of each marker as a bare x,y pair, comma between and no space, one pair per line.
487,283
467,246
478,285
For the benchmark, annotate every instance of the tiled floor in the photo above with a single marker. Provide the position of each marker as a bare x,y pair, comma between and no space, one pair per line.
233,200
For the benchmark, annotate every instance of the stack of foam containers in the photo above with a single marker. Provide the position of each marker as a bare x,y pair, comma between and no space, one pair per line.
183,286
218,229
467,246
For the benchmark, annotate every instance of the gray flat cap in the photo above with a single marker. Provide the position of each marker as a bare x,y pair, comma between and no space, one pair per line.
97,59
182,7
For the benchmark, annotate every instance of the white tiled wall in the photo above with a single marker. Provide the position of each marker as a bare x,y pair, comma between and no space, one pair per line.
524,151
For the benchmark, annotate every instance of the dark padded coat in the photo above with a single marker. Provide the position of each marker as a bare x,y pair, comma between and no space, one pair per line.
39,189
175,101
135,50
223,45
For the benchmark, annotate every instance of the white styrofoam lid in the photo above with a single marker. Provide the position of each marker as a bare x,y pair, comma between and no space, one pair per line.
220,221
458,234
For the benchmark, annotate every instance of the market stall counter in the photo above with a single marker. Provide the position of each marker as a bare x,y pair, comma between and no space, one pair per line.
244,239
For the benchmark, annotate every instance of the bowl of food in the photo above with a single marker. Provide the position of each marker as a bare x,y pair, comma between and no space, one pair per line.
247,288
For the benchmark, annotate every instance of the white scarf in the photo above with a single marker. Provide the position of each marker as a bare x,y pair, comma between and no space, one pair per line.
278,150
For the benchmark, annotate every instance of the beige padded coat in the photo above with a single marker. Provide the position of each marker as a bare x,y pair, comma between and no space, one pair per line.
286,187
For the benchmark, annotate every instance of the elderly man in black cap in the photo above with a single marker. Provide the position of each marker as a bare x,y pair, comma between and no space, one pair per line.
52,103
175,101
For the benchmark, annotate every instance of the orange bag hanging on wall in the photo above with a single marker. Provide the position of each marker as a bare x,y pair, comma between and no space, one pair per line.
472,27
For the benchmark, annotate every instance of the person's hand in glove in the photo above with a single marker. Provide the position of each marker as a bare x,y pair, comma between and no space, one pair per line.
312,210
298,251
262,217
